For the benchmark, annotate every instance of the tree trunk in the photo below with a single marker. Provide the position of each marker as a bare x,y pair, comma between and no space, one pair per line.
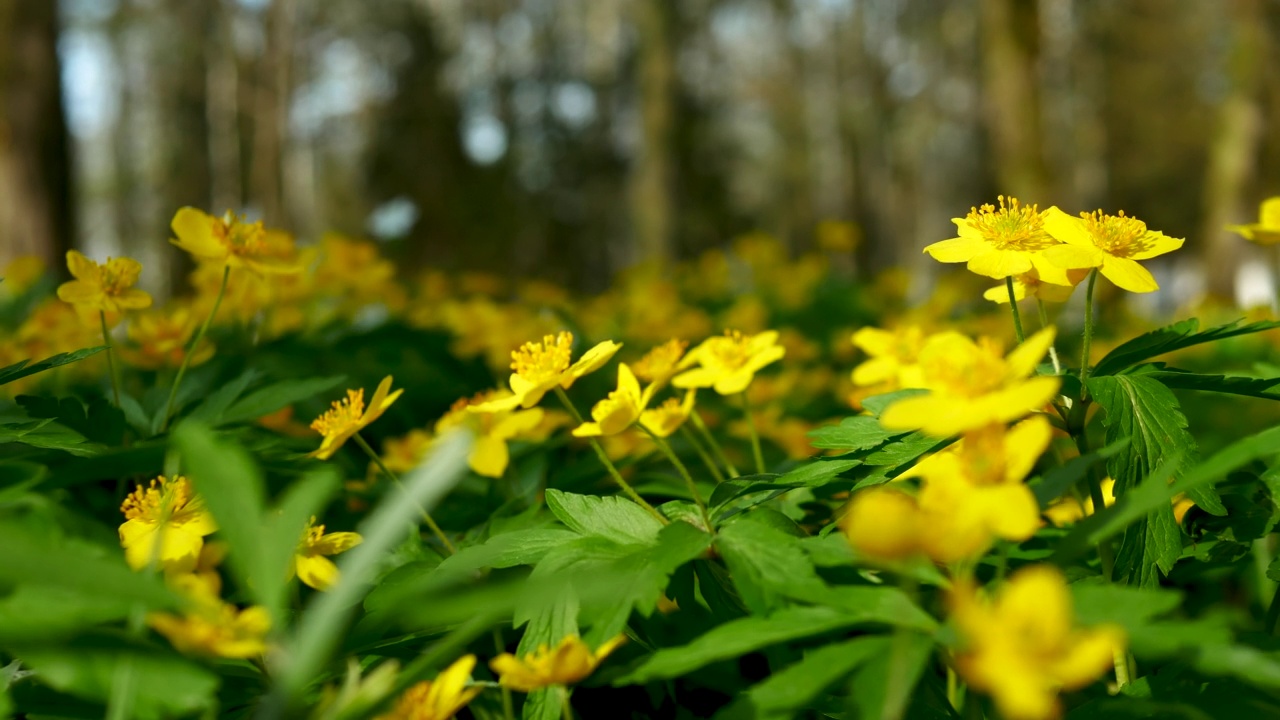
651,177
35,169
1010,42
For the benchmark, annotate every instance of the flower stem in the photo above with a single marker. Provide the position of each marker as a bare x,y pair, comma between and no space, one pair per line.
508,711
111,360
1013,308
1053,350
755,434
1088,331
715,446
608,464
702,453
566,709
684,473
426,516
195,341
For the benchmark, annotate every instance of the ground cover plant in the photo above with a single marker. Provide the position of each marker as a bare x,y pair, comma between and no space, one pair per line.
313,488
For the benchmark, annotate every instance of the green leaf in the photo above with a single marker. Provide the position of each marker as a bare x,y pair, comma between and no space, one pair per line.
1129,607
19,476
22,369
876,404
767,565
273,397
784,694
1182,334
1230,384
738,637
49,435
1060,479
215,405
520,547
884,687
612,517
78,566
859,432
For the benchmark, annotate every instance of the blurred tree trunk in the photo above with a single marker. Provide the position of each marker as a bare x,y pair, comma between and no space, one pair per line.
1234,148
270,114
651,178
1010,44
35,168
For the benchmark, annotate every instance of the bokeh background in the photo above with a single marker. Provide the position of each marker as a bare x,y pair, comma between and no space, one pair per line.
569,139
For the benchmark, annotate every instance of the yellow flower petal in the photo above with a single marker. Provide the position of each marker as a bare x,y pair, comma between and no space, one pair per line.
316,571
489,456
1023,360
1128,275
1000,264
956,249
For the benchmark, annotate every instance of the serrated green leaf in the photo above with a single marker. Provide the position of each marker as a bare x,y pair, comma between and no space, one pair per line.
1061,478
877,403
767,565
612,517
790,690
1229,384
26,368
859,432
1182,334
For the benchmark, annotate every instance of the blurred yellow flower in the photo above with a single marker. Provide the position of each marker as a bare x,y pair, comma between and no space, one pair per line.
310,560
21,273
356,271
883,524
838,236
1113,243
493,428
542,366
229,240
210,626
1000,242
666,418
661,363
1030,284
161,339
168,513
1267,230
1067,510
566,664
405,453
973,384
619,410
893,357
349,416
107,287
438,699
729,362
1023,648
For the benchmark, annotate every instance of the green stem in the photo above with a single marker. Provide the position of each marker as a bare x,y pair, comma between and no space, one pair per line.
508,710
1053,350
566,709
195,341
1273,613
899,675
684,473
608,464
426,516
755,434
715,446
111,360
1088,332
1013,308
702,453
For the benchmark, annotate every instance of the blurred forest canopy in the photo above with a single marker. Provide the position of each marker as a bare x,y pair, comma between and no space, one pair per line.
569,139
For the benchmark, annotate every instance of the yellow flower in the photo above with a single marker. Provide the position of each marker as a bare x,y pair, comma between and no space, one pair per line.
619,410
1267,230
1112,243
161,338
403,454
355,270
893,356
438,699
729,362
838,236
349,416
210,626
229,240
972,385
541,366
883,524
493,428
666,418
1022,647
310,560
661,363
23,272
973,490
1067,510
566,664
168,512
1030,284
1000,242
107,287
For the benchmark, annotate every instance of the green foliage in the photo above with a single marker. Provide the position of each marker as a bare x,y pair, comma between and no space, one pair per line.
26,368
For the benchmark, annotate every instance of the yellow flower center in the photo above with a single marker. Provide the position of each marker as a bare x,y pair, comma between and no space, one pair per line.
967,370
660,360
1013,226
239,237
539,362
728,352
481,422
150,503
1118,235
312,535
344,414
983,457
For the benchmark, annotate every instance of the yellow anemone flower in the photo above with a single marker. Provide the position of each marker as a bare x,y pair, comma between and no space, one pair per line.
1112,243
1023,648
229,240
661,363
168,512
666,418
729,362
348,416
161,338
619,410
493,429
565,664
1032,284
883,524
972,385
893,356
21,273
403,454
108,287
310,560
541,366
1267,230
438,699
210,626
999,243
